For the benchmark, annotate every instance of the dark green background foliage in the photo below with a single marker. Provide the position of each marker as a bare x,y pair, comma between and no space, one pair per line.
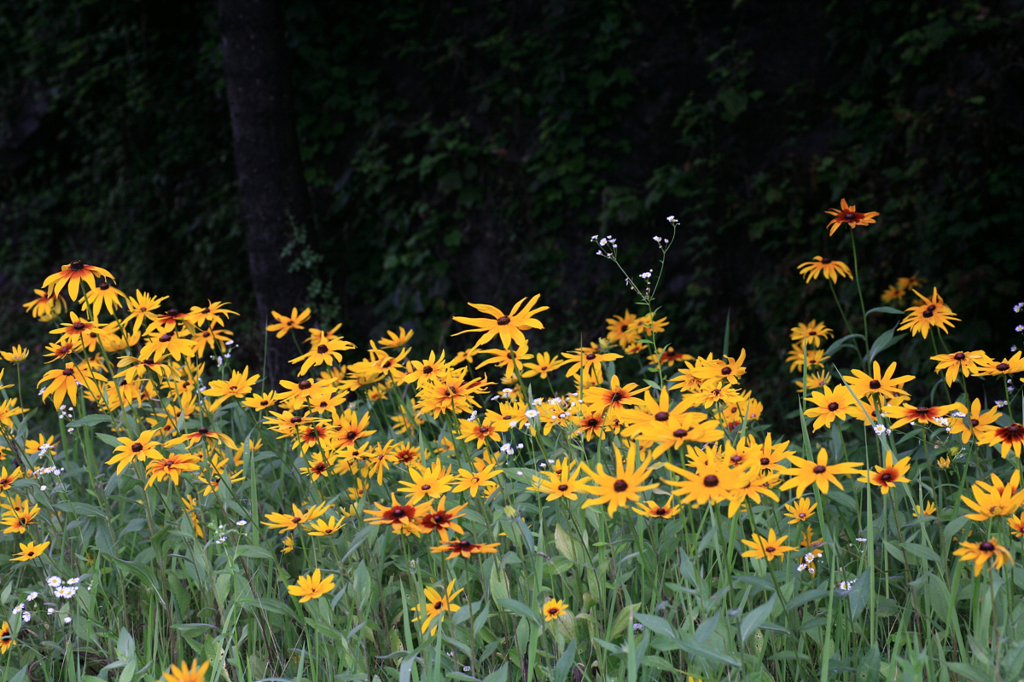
467,151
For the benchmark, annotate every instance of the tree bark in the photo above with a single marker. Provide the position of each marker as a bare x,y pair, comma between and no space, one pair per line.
271,187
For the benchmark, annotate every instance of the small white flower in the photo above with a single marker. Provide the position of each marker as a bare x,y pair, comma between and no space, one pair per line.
1019,328
801,568
542,465
519,473
1019,307
32,596
74,581
645,275
241,522
50,610
530,414
638,627
54,581
879,429
519,446
42,488
862,539
809,558
19,608
26,617
67,619
671,219
1000,403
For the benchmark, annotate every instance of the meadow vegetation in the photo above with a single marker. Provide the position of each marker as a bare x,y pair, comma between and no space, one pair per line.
507,511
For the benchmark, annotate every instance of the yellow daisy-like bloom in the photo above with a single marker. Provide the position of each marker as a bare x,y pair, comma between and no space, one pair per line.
929,510
972,422
135,450
831,404
806,473
1016,525
847,214
29,551
553,608
888,476
1011,365
6,640
980,552
71,276
713,480
433,481
933,312
812,333
16,354
436,606
653,510
63,382
509,327
960,363
172,466
800,510
325,528
1005,438
826,267
184,673
995,498
393,340
561,480
286,323
766,547
311,586
885,385
622,487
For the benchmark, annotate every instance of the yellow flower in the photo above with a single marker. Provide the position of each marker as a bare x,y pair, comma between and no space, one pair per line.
622,487
929,510
961,362
72,275
311,586
287,323
16,354
800,510
980,552
812,333
553,608
29,551
183,673
888,476
820,473
437,604
6,640
932,313
766,548
848,215
826,267
509,327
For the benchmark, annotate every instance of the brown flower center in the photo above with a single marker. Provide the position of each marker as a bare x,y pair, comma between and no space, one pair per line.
765,461
76,265
710,481
927,313
68,371
661,417
679,433
1002,366
959,356
563,487
136,447
819,469
590,356
832,407
875,384
321,349
503,320
620,486
304,384
987,546
886,477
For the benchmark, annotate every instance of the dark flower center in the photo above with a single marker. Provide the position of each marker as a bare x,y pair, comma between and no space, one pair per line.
439,605
875,384
661,417
832,407
425,487
590,356
974,422
203,431
76,265
679,433
727,370
769,549
78,325
710,481
304,384
959,356
987,546
103,286
886,477
1002,366
136,447
397,513
927,313
615,397
164,338
819,469
68,371
849,216
321,349
765,461
503,319
592,422
660,511
826,261
736,459
620,486
563,487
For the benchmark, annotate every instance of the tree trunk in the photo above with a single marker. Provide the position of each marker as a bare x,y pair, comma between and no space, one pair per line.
271,187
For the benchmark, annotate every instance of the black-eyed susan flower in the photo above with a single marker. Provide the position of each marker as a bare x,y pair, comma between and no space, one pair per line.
30,551
16,355
980,552
622,487
63,382
886,477
8,479
847,215
973,422
800,510
437,604
464,549
1011,365
44,307
6,638
327,351
172,466
932,313
884,385
287,323
238,385
311,586
396,340
799,355
961,363
825,267
812,333
928,510
713,480
553,608
135,450
441,519
766,547
909,414
654,510
820,473
507,328
994,498
1016,524
72,276
1005,438
830,405
483,476
562,480
396,515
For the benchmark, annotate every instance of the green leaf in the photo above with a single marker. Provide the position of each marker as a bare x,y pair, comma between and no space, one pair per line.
753,620
519,607
923,552
844,342
88,420
499,675
860,594
886,310
565,663
254,551
655,624
888,339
